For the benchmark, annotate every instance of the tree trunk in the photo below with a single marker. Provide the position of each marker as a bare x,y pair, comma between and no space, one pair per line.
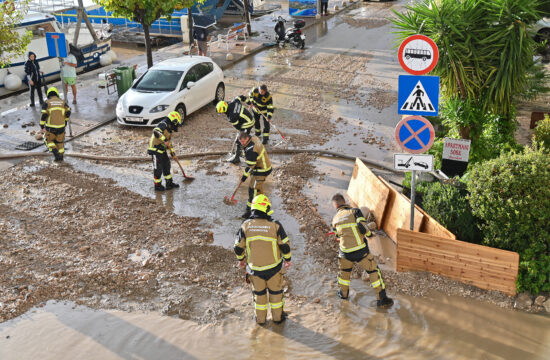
465,132
78,24
148,45
247,17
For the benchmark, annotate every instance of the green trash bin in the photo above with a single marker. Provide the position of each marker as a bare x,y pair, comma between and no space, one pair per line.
124,76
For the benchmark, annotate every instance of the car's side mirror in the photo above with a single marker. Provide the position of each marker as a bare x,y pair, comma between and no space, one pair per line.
190,84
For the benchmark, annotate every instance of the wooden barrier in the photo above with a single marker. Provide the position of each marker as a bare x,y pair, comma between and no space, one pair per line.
390,208
398,213
367,190
481,266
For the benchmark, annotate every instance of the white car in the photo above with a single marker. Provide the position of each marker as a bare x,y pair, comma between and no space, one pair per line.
183,84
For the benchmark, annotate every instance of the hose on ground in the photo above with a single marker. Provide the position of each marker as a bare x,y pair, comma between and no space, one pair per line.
324,153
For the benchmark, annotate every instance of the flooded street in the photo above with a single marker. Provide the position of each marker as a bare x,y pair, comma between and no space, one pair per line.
95,265
435,328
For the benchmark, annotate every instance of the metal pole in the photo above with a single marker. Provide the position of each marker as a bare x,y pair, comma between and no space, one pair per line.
62,81
64,88
413,193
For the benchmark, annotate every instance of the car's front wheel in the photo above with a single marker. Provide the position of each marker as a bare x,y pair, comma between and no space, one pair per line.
181,109
220,93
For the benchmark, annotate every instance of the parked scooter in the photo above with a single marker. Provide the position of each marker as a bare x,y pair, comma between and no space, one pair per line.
293,36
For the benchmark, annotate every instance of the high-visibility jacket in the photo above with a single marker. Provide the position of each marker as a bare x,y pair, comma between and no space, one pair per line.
55,113
262,103
257,160
161,138
349,224
263,242
238,114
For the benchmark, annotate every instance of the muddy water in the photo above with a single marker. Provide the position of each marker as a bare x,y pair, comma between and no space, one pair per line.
436,327
439,328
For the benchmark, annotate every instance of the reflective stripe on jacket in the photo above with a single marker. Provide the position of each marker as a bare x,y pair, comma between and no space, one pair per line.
56,111
346,225
263,242
257,160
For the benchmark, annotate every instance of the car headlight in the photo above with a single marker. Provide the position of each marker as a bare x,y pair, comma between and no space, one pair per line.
159,108
119,107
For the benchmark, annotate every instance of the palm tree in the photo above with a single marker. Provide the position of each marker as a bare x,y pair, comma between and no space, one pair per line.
485,48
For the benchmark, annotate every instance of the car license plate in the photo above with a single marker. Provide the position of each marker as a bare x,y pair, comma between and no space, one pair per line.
134,118
303,37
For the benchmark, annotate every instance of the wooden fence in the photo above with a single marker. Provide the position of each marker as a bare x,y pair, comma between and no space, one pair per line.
481,266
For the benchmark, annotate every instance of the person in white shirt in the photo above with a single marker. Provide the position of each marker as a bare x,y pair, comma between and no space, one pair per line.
69,74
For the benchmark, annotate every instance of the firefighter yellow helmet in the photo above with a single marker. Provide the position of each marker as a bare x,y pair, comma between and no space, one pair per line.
262,203
175,118
52,90
221,107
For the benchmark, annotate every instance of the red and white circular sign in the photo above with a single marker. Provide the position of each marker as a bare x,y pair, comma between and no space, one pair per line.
418,54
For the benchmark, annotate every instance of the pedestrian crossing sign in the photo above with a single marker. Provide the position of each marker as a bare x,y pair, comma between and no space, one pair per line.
418,95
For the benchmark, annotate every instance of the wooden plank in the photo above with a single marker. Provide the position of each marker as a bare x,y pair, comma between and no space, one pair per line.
458,266
398,212
472,263
366,190
476,279
485,256
465,248
481,266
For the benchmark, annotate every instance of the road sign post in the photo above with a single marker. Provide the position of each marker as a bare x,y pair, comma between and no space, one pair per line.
59,50
413,195
418,95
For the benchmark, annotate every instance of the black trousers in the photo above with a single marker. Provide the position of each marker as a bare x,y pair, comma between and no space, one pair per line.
324,7
161,166
38,86
257,125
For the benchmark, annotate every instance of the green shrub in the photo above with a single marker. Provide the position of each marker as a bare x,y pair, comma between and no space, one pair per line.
541,134
511,197
449,205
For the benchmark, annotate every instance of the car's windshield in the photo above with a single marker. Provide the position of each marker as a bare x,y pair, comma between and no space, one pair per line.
159,80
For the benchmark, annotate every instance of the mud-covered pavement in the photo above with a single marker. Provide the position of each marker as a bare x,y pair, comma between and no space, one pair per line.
136,274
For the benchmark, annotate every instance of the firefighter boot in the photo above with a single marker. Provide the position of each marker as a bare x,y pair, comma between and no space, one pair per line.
384,300
158,185
341,295
170,184
57,155
235,159
265,139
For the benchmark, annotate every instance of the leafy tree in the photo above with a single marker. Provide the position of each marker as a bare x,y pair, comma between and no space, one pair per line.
145,12
13,43
485,49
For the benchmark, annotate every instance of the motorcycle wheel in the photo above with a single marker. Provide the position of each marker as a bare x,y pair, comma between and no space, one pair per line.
302,44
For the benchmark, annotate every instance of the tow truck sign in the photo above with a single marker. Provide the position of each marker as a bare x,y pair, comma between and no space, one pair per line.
409,162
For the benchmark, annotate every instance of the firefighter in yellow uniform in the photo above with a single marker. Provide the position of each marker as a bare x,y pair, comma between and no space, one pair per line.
262,103
263,246
159,145
241,119
350,227
257,164
55,115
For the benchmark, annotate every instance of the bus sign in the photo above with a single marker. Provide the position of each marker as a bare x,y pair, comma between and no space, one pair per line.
418,54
